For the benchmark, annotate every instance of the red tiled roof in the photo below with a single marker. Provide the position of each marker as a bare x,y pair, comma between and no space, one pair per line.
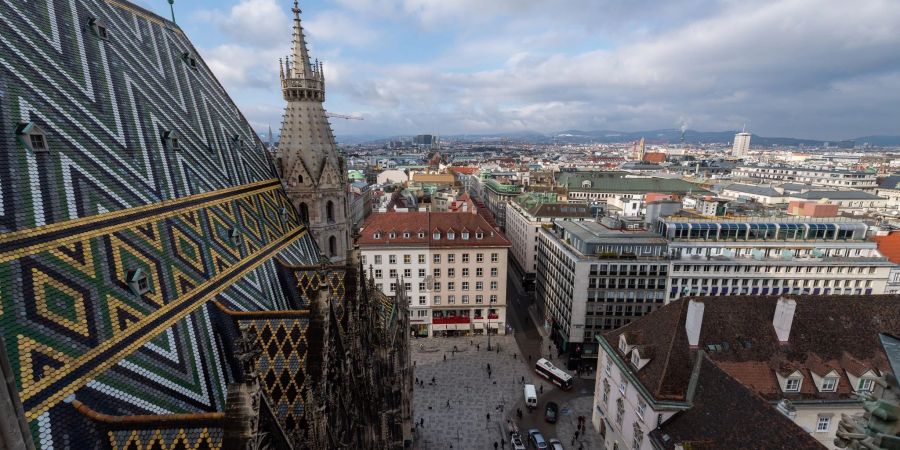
427,223
463,170
889,246
655,157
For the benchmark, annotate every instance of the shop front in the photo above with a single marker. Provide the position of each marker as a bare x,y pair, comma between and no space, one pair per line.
451,323
418,328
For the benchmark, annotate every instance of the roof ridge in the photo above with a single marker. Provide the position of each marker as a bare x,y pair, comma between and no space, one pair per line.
681,313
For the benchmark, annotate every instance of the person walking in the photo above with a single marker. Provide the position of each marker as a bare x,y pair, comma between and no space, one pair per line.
445,357
496,445
542,388
488,417
448,403
422,422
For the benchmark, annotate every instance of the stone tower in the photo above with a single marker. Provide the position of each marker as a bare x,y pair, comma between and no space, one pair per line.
313,174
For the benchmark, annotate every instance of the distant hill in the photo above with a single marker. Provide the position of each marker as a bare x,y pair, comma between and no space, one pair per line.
663,136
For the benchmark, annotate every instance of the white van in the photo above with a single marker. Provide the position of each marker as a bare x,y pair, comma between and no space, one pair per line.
530,396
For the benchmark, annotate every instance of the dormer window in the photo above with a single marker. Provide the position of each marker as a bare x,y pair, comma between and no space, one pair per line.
234,235
406,235
793,384
865,385
465,235
436,235
829,384
451,235
32,137
636,359
392,235
189,60
421,235
376,236
479,235
138,281
623,345
98,28
171,141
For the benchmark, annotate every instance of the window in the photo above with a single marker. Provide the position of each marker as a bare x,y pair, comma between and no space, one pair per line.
479,299
138,281
638,436
493,271
493,298
377,259
407,287
421,235
495,257
437,273
421,287
635,359
406,235
422,300
392,259
407,259
451,272
479,257
641,407
436,299
393,287
829,384
379,286
329,213
451,258
623,385
822,424
393,273
171,140
451,235
407,273
451,299
465,299
98,28
465,285
479,235
465,272
465,257
793,385
464,235
436,236
189,60
422,313
437,287
436,259
620,410
865,385
421,259
479,272
451,286
622,346
493,285
421,273
378,273
479,285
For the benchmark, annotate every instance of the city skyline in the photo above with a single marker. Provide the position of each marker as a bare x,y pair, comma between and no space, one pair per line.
795,68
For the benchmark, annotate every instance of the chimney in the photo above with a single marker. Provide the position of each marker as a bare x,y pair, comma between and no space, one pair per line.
693,322
784,316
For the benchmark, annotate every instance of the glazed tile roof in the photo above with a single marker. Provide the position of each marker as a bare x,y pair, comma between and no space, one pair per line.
889,246
420,227
827,331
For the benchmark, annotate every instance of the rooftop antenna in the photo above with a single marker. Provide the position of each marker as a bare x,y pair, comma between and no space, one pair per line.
172,9
744,128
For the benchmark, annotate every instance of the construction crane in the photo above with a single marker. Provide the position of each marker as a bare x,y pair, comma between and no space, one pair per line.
342,116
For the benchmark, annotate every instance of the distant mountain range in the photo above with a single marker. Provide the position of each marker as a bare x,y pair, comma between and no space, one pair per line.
672,135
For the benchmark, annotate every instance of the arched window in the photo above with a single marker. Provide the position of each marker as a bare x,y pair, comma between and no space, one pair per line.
329,211
300,178
332,246
304,212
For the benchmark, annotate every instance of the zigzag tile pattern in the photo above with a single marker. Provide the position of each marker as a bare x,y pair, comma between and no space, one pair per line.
204,221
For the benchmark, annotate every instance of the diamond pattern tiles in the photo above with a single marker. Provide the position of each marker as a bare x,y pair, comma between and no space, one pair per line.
152,197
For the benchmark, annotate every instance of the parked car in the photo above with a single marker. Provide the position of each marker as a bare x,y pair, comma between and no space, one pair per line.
555,444
516,441
552,412
537,439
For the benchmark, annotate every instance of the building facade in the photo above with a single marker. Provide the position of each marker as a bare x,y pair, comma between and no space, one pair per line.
313,174
523,224
741,146
452,266
816,176
591,278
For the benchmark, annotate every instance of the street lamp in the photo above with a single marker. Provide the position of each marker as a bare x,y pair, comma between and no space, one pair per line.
489,329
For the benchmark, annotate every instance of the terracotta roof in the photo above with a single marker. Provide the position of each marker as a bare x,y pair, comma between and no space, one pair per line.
655,157
833,331
725,414
463,170
889,246
428,223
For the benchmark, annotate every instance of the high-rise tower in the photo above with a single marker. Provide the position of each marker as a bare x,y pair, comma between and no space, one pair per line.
741,145
313,174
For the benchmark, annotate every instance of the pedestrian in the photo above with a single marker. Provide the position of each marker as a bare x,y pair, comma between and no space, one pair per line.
417,380
523,379
477,346
502,443
445,357
433,381
489,374
529,359
488,417
498,349
573,442
448,404
422,422
576,435
488,367
471,342
514,356
542,388
496,445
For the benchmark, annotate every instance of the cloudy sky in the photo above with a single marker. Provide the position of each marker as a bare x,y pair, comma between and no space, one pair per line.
826,69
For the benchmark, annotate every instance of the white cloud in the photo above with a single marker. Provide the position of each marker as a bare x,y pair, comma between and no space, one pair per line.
257,23
334,27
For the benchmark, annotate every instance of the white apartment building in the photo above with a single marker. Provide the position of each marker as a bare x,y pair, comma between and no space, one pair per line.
453,266
816,176
741,146
675,376
523,224
771,256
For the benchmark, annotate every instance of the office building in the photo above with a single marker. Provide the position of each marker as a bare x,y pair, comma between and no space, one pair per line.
834,178
452,266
